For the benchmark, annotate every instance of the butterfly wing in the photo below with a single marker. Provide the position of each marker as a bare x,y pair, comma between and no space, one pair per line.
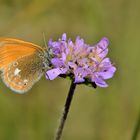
12,49
21,63
21,74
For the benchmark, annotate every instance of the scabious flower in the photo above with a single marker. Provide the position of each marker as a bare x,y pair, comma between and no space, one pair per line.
81,62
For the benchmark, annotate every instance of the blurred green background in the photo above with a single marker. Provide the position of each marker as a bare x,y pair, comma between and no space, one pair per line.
101,114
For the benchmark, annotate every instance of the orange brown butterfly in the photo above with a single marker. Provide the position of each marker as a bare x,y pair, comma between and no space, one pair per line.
22,63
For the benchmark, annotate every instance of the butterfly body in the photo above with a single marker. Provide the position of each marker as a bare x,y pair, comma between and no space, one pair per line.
22,64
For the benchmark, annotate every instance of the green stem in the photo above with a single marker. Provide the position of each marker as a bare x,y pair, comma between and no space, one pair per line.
136,129
65,111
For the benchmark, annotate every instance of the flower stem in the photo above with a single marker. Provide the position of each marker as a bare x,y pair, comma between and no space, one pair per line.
136,129
65,111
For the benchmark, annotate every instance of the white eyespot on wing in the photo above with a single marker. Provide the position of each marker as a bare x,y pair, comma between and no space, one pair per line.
17,71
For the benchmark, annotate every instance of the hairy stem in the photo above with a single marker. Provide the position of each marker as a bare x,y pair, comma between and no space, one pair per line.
65,111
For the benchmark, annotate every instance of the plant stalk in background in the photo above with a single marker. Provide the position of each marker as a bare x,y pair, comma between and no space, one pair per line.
136,129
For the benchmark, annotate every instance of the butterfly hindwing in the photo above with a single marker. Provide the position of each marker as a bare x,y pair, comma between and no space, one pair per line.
20,75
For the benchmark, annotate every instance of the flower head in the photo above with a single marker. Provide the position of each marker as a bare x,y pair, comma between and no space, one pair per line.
81,61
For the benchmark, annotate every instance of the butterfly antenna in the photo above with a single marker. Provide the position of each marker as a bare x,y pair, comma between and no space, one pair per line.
46,47
44,38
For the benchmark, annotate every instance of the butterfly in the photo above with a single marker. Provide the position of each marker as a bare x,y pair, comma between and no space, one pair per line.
22,63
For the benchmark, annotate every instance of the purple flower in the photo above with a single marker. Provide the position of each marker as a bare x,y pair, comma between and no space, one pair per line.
81,60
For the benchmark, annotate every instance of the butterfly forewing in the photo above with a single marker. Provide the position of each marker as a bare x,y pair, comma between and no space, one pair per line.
12,49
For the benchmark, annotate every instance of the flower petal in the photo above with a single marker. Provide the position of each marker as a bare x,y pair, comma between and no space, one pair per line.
79,42
63,70
108,74
100,82
53,73
72,65
57,62
102,47
64,37
80,73
50,42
